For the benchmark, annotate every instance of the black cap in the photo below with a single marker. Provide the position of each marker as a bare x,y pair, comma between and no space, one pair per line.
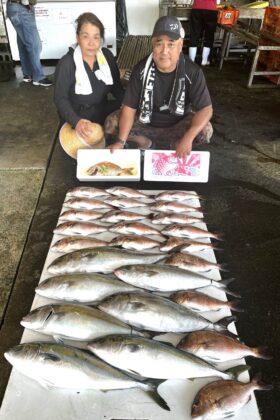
170,26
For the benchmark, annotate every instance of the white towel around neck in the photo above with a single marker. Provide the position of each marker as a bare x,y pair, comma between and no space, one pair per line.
83,85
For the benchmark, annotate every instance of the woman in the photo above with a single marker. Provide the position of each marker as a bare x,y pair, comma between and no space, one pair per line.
203,21
85,76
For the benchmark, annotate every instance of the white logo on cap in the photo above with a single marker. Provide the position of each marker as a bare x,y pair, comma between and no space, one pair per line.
182,33
174,26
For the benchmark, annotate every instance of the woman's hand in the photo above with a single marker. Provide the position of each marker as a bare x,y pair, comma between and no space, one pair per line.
83,128
115,146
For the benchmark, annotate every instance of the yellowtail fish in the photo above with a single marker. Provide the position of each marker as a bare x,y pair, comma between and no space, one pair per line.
216,347
73,243
191,262
138,243
176,195
60,366
126,192
222,399
115,216
86,203
164,278
90,192
80,215
187,231
146,311
70,321
82,288
79,228
174,206
153,359
103,259
201,302
136,228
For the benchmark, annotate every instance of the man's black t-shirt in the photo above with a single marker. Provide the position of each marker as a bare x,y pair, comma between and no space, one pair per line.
196,94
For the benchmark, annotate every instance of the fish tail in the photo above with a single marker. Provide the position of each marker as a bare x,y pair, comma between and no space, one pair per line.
259,384
222,267
222,284
154,394
218,236
262,352
222,325
234,305
235,371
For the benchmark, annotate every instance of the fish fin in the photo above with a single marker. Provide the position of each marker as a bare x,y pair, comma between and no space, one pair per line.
234,306
235,371
263,353
222,284
154,394
218,236
223,324
58,339
260,385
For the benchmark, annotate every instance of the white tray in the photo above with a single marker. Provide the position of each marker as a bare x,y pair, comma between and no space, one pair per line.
122,158
164,165
25,399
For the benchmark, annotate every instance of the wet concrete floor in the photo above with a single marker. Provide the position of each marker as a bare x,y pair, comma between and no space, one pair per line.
242,201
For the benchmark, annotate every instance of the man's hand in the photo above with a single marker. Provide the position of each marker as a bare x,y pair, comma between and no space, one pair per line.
83,128
183,147
115,146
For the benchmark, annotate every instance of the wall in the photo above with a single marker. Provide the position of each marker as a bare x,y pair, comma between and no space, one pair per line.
141,16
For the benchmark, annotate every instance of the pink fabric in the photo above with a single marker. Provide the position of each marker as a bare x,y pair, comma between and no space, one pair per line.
205,4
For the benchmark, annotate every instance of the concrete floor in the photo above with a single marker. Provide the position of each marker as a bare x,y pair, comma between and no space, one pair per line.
242,202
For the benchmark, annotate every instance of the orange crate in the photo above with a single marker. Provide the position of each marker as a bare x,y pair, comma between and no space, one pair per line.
271,22
228,16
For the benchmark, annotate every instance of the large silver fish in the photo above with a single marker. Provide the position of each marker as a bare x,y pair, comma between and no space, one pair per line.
191,262
79,228
152,359
82,288
176,195
100,260
115,216
163,278
187,231
222,399
80,215
136,242
90,192
155,313
60,366
136,228
126,192
86,203
216,347
73,322
74,243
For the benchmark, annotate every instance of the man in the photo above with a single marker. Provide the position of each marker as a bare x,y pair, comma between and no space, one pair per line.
167,103
22,15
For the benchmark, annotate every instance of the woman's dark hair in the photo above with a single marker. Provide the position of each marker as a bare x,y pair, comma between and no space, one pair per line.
89,18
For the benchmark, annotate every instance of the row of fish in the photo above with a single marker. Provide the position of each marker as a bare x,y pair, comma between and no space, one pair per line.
137,294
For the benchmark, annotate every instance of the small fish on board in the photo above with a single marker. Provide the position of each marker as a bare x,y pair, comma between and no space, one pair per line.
90,192
109,169
216,347
223,398
79,228
74,243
